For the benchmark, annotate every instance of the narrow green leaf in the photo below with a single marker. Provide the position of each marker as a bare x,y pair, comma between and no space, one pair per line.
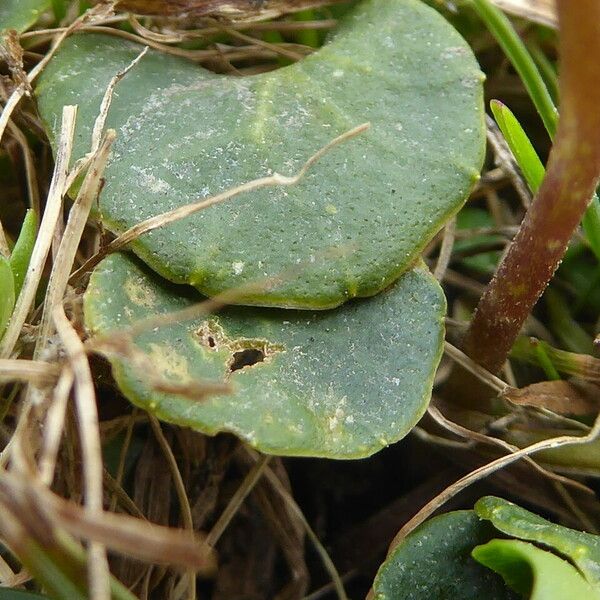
7,293
527,158
9,594
516,51
21,254
535,573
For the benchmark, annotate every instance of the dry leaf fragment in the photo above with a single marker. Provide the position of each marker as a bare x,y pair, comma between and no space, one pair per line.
562,397
540,11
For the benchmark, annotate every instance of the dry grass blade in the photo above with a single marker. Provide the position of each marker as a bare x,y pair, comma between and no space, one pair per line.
45,234
293,506
470,365
54,425
184,502
100,121
439,418
134,537
189,209
445,250
28,371
251,479
486,470
97,13
89,434
67,250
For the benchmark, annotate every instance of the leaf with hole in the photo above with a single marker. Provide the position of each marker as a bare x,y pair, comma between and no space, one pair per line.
581,548
434,563
21,14
184,133
343,383
534,573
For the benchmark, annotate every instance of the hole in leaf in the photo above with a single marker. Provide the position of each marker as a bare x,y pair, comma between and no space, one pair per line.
211,341
246,358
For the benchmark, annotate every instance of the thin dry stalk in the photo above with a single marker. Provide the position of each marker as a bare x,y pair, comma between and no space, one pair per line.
295,509
186,510
488,469
278,49
23,88
457,429
445,250
30,172
182,212
471,366
45,234
100,121
252,478
4,247
28,371
122,458
89,434
67,250
54,425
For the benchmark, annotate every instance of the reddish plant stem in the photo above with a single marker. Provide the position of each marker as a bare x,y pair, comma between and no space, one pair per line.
571,178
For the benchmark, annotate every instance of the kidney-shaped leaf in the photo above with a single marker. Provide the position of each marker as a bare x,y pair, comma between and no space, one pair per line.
535,573
21,14
185,133
342,383
434,563
580,547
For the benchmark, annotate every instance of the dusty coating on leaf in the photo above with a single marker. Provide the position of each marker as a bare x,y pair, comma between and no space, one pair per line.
376,199
341,384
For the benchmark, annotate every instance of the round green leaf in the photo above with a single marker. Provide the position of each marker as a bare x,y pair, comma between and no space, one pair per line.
21,14
535,573
434,563
341,384
580,547
184,133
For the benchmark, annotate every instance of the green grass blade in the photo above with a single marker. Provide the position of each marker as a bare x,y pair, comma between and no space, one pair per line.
529,162
514,48
21,254
7,293
533,170
501,28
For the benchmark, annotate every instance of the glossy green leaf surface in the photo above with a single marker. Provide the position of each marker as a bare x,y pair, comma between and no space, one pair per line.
341,384
184,133
535,573
21,14
7,293
581,548
434,563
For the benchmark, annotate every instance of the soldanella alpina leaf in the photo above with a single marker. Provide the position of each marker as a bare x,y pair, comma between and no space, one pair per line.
184,133
342,383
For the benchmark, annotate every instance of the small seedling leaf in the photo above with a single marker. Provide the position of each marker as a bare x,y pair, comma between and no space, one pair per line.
434,563
583,549
534,573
